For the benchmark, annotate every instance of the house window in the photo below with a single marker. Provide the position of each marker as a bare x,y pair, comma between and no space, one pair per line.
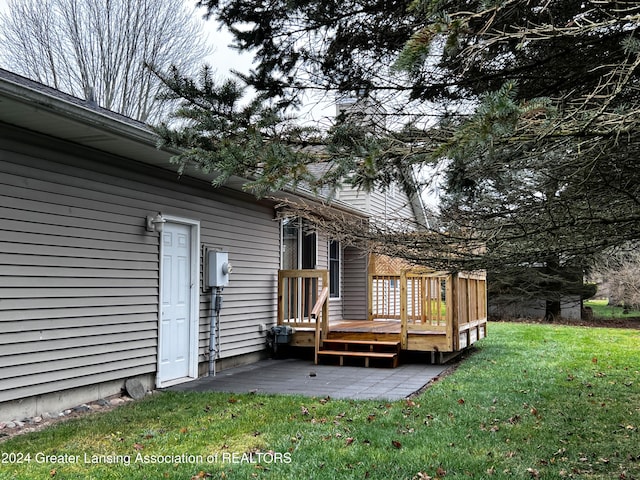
334,269
298,244
299,251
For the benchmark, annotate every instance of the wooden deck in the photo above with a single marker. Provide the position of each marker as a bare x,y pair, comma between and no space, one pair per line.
417,312
390,330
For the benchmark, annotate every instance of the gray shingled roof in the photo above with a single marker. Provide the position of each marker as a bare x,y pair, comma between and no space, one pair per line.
14,78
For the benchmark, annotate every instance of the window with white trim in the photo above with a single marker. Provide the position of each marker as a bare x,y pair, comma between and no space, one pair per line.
334,269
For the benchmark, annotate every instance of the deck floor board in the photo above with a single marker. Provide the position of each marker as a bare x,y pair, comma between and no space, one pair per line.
365,326
376,326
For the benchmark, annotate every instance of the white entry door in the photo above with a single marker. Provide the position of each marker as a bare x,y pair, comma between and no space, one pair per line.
175,344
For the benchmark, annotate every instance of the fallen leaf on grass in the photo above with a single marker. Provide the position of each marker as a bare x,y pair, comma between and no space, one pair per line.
396,444
422,476
200,475
138,446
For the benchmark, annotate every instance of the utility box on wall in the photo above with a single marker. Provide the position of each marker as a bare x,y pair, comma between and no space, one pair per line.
218,269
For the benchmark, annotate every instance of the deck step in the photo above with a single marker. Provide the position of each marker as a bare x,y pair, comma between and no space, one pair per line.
362,342
366,349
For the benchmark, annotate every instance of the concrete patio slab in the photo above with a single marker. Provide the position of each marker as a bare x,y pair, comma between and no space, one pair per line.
302,377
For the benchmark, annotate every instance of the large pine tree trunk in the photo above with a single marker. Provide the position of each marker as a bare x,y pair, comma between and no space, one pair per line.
553,310
553,288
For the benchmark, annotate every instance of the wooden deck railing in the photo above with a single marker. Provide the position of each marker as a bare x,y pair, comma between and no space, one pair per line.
303,302
298,292
431,302
384,297
418,297
321,309
473,295
426,296
471,321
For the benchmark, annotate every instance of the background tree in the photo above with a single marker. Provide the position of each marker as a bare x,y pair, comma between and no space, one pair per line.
616,274
529,110
98,49
546,169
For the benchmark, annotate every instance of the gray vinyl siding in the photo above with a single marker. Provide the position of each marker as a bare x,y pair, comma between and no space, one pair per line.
322,249
382,206
395,206
251,237
79,273
358,199
354,285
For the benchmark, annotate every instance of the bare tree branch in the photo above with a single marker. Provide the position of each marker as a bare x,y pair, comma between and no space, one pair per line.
102,47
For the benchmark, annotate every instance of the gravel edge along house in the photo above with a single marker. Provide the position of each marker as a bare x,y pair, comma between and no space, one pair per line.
105,255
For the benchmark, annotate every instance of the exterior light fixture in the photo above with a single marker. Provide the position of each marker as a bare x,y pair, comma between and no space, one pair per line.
155,223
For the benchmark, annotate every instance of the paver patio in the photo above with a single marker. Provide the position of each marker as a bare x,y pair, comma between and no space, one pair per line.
295,376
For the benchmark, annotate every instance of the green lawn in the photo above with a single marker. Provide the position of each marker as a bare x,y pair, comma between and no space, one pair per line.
602,309
533,401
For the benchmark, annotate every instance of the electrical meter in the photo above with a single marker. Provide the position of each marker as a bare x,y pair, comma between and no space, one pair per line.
218,269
